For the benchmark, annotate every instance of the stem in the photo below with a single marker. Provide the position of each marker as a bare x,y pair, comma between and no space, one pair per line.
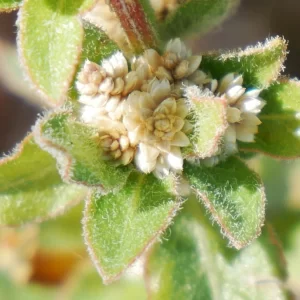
135,23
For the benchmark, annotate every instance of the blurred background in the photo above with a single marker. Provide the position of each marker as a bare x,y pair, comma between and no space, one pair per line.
254,21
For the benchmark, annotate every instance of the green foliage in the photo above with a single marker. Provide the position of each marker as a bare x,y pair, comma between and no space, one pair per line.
195,264
9,5
126,211
96,44
31,188
119,227
85,283
196,16
259,65
50,39
279,133
233,195
208,116
78,153
176,265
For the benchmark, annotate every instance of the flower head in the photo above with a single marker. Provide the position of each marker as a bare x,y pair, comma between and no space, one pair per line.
157,122
141,114
114,141
242,110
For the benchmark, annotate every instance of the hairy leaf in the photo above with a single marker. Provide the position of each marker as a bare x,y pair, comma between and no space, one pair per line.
259,65
193,263
208,115
76,148
118,228
50,39
175,265
31,188
196,16
96,44
9,5
233,195
279,133
85,283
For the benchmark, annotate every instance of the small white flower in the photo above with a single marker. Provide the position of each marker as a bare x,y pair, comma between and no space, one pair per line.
242,110
177,47
155,122
114,141
116,65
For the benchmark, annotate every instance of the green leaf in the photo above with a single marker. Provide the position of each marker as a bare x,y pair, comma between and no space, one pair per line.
233,195
259,65
118,228
9,5
208,116
96,44
77,151
176,265
85,283
50,39
196,16
279,133
31,188
193,263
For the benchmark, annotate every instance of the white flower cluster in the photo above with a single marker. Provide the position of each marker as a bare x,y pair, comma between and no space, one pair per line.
141,114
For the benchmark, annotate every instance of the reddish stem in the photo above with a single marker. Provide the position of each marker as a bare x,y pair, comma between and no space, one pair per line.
135,24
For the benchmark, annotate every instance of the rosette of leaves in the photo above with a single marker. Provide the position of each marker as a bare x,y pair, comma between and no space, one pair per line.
126,211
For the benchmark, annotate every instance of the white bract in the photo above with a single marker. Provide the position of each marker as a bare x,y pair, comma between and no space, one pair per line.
242,110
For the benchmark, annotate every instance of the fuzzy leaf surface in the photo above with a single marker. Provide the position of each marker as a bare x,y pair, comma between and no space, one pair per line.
9,5
259,65
96,44
233,195
196,17
50,39
119,227
194,263
176,264
208,115
78,153
279,133
31,188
